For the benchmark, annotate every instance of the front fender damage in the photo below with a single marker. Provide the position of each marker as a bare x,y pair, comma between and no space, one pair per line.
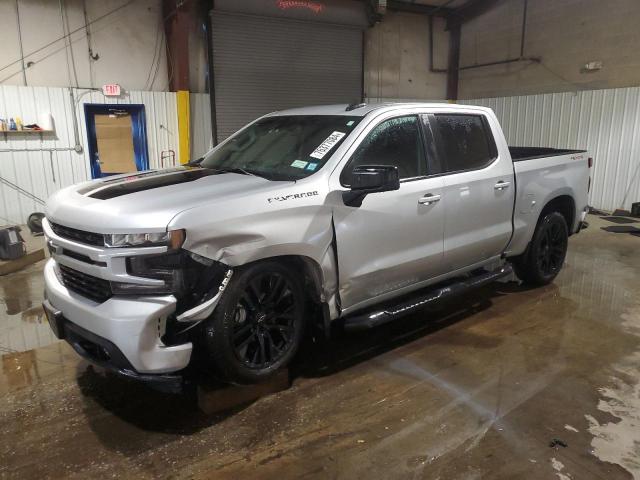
208,304
308,246
205,281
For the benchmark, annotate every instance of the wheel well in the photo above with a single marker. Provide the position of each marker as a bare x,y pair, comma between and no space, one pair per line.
307,268
313,287
565,206
562,204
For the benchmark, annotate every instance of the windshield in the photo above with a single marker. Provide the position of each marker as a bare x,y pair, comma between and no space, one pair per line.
282,148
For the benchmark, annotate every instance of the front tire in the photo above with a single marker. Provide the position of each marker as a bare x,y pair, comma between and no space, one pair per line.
544,258
258,325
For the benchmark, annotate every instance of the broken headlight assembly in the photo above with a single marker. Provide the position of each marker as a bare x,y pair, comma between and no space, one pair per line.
179,272
166,268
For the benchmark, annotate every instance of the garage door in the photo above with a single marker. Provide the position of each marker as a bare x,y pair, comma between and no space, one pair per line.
262,64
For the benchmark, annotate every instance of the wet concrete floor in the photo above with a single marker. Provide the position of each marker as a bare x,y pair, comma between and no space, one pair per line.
479,388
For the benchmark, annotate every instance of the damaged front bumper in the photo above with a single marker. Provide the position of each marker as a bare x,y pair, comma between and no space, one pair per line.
132,324
105,354
146,337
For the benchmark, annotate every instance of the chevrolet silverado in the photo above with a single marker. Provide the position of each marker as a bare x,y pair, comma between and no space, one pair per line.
359,213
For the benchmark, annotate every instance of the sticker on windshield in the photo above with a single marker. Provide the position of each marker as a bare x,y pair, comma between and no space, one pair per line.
312,166
325,146
299,164
350,122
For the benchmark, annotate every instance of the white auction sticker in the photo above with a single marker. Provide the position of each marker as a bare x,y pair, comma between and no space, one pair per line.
325,146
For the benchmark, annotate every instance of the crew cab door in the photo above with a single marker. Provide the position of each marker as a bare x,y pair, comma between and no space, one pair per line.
478,188
394,240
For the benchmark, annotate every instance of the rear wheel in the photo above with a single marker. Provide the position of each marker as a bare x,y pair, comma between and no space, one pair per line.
258,326
546,253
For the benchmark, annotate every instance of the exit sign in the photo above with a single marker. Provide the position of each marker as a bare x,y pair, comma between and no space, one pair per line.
111,90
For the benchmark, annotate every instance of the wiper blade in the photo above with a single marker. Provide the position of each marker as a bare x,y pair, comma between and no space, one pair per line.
195,163
242,171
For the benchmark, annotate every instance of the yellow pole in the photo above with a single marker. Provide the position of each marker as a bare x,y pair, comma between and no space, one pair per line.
183,125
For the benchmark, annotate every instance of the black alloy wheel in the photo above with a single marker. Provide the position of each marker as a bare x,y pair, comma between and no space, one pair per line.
553,248
264,321
258,325
544,257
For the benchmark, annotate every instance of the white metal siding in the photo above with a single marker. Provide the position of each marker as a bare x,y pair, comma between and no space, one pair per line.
200,108
605,122
51,163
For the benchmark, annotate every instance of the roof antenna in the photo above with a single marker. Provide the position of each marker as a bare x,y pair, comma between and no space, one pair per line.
353,106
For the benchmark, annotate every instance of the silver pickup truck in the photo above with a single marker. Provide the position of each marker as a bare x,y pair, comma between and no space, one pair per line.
361,213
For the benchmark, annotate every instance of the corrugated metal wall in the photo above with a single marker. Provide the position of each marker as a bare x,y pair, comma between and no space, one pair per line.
605,122
201,141
32,166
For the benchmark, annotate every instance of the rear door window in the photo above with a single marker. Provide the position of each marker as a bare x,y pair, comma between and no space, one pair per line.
464,141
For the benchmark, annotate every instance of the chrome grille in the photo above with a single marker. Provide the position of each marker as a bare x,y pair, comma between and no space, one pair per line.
94,288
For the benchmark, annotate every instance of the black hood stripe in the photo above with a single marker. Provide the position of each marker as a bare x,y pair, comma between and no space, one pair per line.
119,179
144,181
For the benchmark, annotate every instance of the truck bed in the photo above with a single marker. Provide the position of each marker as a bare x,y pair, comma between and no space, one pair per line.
550,174
520,154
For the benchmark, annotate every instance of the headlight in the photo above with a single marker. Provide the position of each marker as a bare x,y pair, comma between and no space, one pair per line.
172,239
167,267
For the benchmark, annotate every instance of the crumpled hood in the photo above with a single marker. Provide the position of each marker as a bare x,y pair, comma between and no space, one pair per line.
147,201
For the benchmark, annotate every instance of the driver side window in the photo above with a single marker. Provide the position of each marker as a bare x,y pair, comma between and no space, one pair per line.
396,142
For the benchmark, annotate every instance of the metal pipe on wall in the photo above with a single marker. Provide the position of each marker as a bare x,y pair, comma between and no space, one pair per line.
524,27
24,69
210,78
21,190
59,149
500,62
522,40
53,42
74,114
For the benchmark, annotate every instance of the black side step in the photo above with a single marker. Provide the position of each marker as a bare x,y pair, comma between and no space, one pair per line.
364,321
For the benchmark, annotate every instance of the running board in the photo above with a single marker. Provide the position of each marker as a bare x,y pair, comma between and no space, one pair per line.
378,317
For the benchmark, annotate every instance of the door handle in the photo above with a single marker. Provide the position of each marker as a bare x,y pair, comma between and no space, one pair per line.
428,199
501,185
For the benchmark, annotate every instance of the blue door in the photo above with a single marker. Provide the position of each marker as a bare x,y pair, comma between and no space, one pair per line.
117,137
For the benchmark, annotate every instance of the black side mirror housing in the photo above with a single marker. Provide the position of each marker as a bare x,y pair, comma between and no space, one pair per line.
367,179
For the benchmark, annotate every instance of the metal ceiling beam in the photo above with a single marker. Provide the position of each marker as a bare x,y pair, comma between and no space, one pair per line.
469,11
177,22
411,7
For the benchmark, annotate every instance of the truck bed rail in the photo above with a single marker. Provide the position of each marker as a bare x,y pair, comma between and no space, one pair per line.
519,154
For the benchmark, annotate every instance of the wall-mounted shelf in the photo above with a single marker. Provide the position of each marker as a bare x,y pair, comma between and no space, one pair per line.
8,133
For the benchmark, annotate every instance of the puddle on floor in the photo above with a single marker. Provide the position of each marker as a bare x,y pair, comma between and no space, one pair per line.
617,441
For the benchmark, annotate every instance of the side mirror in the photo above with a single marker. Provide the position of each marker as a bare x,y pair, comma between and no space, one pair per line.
367,179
